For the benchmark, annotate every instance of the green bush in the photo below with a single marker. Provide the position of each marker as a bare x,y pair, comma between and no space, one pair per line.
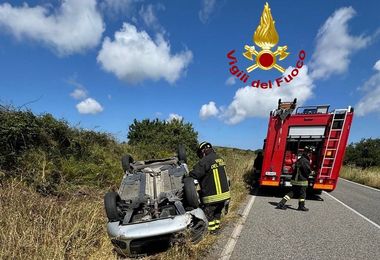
44,151
157,138
38,148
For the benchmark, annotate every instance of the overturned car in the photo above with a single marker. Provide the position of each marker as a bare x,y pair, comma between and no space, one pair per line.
155,206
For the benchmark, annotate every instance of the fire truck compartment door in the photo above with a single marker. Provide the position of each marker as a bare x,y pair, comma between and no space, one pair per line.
306,131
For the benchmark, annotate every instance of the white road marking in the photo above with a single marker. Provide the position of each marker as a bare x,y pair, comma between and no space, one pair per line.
229,248
365,186
357,213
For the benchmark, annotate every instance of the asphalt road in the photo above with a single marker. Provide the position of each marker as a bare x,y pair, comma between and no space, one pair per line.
364,200
328,231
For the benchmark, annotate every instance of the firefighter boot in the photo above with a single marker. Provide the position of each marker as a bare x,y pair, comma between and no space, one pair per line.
301,206
281,204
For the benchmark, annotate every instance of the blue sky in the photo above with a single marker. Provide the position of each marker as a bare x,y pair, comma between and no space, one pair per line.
100,64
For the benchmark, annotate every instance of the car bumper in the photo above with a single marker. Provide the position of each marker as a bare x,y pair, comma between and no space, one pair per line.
122,236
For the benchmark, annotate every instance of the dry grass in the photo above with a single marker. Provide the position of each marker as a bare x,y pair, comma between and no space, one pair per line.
66,227
72,226
369,177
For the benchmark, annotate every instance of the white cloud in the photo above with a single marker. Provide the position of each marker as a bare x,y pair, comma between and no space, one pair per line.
208,7
377,65
79,93
335,45
208,110
89,106
231,81
133,56
116,7
147,14
174,116
370,102
74,27
254,102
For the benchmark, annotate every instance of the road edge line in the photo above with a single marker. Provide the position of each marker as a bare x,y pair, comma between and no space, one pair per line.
365,186
229,248
356,212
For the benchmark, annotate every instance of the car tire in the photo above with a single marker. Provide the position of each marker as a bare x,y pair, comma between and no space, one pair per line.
191,195
111,200
181,153
317,192
126,161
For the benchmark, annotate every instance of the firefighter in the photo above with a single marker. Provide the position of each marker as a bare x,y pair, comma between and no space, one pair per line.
299,181
211,173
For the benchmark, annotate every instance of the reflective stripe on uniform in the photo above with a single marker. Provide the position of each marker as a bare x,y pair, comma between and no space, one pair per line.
217,197
217,223
211,225
302,199
217,181
287,197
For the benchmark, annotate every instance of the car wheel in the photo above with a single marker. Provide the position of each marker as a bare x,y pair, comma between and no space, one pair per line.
317,192
111,199
191,195
181,153
126,161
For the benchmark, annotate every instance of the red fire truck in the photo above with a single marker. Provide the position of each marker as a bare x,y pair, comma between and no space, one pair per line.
290,131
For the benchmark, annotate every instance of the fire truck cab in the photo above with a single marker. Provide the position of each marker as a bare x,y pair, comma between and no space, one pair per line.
290,129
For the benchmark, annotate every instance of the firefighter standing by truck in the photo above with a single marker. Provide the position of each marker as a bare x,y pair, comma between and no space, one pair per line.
299,181
211,174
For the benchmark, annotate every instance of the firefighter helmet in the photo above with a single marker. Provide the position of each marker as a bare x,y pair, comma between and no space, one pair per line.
203,146
309,149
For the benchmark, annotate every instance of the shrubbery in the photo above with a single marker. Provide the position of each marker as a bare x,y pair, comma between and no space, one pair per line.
365,153
161,138
41,149
44,151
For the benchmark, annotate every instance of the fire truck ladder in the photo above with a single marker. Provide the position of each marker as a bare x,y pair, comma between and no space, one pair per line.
333,141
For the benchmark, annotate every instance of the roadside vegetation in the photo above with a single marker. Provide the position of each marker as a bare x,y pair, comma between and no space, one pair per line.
53,177
362,162
368,176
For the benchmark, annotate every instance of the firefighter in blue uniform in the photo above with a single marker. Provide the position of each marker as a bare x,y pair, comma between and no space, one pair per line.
211,173
299,181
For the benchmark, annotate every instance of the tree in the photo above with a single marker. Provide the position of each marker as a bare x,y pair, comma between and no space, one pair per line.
365,153
159,137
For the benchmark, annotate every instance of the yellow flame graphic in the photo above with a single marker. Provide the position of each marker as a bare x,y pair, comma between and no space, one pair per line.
266,35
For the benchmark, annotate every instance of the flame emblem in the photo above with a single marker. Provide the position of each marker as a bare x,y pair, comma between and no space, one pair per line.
266,37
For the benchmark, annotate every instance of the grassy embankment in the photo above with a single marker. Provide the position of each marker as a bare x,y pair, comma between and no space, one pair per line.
72,224
369,176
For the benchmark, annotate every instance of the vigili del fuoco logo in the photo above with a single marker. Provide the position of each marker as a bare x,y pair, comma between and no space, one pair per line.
265,37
